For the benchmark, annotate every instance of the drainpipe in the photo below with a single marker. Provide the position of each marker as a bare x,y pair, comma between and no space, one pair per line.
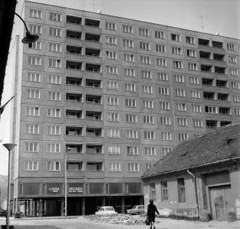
195,185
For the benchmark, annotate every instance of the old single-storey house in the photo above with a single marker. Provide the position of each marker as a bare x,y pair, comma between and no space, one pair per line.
200,173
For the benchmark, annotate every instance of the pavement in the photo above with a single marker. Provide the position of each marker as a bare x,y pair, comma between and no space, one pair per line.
80,222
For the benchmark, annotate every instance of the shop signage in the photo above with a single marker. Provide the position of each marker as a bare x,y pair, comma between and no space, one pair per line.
75,188
54,188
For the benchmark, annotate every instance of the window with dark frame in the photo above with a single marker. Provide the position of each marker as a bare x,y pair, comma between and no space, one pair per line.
152,191
164,190
181,190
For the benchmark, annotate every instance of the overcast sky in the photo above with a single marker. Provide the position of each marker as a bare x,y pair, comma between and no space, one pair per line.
209,16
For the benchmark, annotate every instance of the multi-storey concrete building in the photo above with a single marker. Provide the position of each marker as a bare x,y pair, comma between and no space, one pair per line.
110,96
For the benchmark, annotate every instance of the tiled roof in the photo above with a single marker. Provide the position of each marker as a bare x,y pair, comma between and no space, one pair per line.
217,145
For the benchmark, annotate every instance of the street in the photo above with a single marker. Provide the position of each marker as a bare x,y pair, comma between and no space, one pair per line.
83,223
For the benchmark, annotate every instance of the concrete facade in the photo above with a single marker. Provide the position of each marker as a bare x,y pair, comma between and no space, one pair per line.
121,94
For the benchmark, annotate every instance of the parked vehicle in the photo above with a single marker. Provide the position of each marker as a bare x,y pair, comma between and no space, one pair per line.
106,210
136,210
18,215
3,213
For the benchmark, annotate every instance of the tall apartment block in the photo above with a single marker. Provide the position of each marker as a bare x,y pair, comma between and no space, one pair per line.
99,99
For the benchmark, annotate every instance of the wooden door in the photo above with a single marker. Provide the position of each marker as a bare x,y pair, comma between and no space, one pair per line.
220,199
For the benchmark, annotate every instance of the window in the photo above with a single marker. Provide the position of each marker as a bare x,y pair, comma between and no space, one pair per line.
181,106
130,72
176,51
159,34
54,79
231,47
53,166
144,32
127,29
111,55
166,150
130,102
33,94
235,85
190,40
196,108
55,16
162,76
54,95
179,78
197,123
162,62
128,43
32,111
54,112
147,89
132,150
161,48
35,29
128,57
163,90
233,72
114,149
113,101
132,134
112,85
35,13
182,122
53,147
192,66
152,191
148,104
164,190
111,40
145,59
54,63
175,37
144,45
194,80
182,136
191,53
56,32
54,130
149,150
32,128
133,167
232,59
148,119
34,77
114,166
149,134
211,109
146,74
177,64
164,105
110,26
31,165
181,190
149,165
165,120
236,98
55,47
180,92
196,94
32,147
34,60
36,45
112,70
113,133
131,118
167,136
237,111
130,87
113,117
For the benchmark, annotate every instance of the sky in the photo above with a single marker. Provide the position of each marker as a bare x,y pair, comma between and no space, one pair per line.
209,16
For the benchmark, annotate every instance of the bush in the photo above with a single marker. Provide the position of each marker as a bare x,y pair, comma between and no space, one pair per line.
205,216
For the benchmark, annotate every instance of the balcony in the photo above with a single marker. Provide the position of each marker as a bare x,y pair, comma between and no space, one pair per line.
223,97
71,81
74,114
205,55
93,115
207,82
93,83
220,70
93,149
74,166
92,37
208,95
74,148
74,20
225,123
76,66
74,131
218,57
221,83
92,52
203,42
93,132
92,23
72,97
74,50
206,68
74,35
93,99
217,44
211,124
93,67
224,111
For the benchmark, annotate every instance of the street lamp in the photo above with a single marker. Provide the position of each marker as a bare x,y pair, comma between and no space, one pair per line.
9,147
29,38
65,179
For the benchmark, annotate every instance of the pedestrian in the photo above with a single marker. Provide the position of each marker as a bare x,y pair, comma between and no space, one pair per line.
151,214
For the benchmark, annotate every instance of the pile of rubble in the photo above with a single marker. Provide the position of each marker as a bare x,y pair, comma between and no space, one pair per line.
119,219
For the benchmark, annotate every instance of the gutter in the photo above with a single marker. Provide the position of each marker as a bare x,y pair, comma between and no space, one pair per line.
195,186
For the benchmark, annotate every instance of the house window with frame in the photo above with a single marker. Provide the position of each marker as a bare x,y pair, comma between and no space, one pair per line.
237,111
132,150
55,17
34,60
233,72
34,77
148,104
129,72
35,13
162,76
112,101
111,40
148,89
53,166
54,95
54,63
131,118
31,165
165,120
55,47
112,85
197,108
111,55
175,37
152,191
179,78
113,117
192,66
146,74
182,121
130,102
195,94
230,47
54,79
110,26
191,53
54,130
33,94
32,147
182,136
55,32
197,123
166,150
130,87
149,135
114,167
164,190
128,43
164,105
194,80
180,92
181,190
150,151
190,40
32,129
159,34
133,167
176,51
178,64
35,29
232,59
132,134
161,48
113,133
235,85
54,148
149,165
127,29
145,60
163,90
181,107
32,111
114,149
144,45
211,109
113,70
236,98
144,32
167,136
162,62
149,119
36,45
128,57
54,112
